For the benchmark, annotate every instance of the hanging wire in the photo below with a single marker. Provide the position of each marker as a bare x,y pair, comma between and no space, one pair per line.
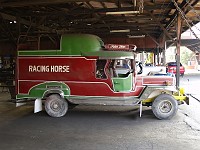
160,16
198,16
185,18
161,8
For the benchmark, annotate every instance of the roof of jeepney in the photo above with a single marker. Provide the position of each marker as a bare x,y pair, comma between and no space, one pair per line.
110,54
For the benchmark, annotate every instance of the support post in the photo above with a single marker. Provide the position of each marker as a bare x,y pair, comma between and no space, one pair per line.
154,55
158,57
198,58
178,45
164,50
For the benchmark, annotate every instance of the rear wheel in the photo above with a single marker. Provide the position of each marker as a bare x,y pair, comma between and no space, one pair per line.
56,106
164,106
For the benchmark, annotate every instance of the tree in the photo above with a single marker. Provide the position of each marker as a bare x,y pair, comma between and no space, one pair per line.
186,55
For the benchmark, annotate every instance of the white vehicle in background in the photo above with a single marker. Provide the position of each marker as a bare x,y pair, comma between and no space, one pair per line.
198,67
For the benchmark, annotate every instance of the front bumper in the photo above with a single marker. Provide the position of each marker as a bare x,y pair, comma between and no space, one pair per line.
181,96
187,100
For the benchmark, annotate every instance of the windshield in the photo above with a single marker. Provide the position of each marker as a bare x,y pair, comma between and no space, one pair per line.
122,66
114,67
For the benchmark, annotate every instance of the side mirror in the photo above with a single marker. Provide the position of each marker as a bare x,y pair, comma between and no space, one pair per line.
141,68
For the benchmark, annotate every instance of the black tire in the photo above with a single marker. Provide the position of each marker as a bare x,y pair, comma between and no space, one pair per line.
56,106
164,106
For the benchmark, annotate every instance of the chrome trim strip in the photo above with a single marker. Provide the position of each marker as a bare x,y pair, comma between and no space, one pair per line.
112,101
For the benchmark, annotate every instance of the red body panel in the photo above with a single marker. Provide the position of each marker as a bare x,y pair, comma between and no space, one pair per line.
54,69
78,73
159,80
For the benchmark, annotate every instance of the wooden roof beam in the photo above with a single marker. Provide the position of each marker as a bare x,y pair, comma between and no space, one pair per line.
23,21
173,17
155,41
24,3
161,26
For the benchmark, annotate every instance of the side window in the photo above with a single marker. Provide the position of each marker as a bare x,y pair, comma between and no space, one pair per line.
124,63
100,71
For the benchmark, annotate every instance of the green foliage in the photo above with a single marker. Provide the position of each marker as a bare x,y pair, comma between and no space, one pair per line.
186,55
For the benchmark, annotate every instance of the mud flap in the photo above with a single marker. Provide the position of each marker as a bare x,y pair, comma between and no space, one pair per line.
38,105
140,109
20,104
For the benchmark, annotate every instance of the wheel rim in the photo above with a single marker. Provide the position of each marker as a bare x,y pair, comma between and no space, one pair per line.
55,106
165,106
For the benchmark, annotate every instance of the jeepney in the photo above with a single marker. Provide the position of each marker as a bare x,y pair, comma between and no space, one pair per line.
83,72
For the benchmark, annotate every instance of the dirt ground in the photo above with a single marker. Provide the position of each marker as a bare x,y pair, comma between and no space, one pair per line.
101,127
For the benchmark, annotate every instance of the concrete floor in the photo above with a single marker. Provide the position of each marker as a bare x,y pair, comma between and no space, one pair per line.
100,128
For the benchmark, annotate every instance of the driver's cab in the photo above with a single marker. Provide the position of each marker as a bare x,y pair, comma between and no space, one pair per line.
121,73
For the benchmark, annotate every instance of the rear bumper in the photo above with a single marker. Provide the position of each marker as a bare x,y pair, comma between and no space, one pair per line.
174,72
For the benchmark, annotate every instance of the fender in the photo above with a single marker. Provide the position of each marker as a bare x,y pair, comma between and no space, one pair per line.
43,89
53,91
51,88
151,89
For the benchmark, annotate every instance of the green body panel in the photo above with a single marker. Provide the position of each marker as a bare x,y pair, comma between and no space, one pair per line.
123,83
79,45
76,44
70,44
40,90
110,54
39,53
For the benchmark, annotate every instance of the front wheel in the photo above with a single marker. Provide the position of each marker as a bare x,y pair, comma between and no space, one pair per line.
164,106
56,106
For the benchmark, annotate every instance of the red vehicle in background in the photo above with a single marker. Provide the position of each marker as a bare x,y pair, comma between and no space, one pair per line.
171,68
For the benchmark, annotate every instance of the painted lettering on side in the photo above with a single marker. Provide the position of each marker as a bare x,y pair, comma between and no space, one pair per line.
39,68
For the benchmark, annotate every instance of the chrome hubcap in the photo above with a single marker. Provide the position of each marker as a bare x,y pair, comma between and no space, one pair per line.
55,106
165,106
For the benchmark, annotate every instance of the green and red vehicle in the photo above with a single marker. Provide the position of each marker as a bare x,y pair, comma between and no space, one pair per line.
82,71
